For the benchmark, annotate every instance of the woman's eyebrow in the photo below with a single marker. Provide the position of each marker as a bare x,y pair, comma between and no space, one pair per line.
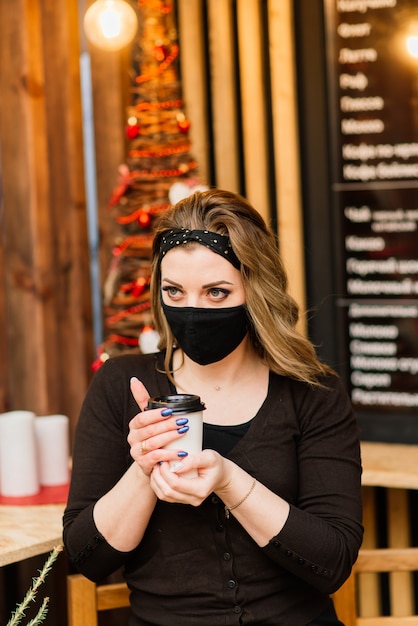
217,283
172,282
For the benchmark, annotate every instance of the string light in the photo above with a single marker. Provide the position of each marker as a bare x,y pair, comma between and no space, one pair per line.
110,24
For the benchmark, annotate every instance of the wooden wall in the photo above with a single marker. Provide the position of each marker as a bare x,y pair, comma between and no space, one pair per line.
238,77
45,314
45,320
237,69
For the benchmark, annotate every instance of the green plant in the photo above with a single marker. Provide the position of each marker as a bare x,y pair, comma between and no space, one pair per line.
30,596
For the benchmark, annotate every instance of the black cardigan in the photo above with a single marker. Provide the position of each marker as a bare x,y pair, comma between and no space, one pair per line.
195,566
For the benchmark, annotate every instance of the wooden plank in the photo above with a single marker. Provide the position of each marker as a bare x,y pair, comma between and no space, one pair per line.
253,106
82,609
387,560
390,465
109,124
400,583
368,583
4,365
286,147
67,214
111,596
79,313
27,236
194,80
224,92
345,602
387,621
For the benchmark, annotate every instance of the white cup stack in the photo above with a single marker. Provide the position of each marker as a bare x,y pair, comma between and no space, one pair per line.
53,449
34,452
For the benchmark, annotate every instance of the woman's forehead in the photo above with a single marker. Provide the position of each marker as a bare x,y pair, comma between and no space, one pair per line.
194,260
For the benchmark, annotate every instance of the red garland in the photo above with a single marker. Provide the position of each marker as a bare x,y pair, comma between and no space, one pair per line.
162,67
138,308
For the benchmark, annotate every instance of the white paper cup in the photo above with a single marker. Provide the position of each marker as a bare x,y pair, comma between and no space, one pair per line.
18,462
188,406
52,439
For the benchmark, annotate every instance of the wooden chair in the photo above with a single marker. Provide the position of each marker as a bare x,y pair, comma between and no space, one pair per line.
389,560
85,599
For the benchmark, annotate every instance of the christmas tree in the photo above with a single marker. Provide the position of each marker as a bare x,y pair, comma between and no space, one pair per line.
159,165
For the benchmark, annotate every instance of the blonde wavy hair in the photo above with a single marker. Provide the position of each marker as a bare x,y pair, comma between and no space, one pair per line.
272,311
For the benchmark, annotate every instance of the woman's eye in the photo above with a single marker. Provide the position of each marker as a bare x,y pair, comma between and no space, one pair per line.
218,293
171,291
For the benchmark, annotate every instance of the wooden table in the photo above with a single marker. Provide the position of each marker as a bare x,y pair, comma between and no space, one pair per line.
27,531
390,465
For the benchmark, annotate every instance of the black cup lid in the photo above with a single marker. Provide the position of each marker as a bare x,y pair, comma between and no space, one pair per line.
180,403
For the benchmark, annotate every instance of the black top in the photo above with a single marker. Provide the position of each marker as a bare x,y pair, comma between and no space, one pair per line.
194,565
223,438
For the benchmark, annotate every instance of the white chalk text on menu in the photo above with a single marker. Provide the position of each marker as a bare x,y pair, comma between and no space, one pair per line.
375,196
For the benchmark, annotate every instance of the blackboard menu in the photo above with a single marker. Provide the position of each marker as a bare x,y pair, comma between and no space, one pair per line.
373,105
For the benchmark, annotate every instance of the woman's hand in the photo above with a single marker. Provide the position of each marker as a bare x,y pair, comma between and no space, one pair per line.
150,430
214,472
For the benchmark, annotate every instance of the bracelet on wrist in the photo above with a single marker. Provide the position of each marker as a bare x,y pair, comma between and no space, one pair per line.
228,509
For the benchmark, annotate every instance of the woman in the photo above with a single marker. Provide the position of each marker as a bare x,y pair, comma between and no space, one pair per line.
272,524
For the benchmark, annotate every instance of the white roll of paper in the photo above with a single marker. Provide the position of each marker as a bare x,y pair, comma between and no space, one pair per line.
18,462
52,438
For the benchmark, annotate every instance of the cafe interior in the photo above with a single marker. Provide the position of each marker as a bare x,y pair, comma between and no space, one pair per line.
309,109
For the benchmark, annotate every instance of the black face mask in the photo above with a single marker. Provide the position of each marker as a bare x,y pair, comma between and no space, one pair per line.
207,335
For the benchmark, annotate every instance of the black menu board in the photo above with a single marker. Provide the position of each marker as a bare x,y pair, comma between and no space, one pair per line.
373,104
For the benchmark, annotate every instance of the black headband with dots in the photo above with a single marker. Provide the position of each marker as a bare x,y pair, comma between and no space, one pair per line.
217,243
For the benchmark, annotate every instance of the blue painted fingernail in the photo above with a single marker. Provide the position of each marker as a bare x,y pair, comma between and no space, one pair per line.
167,411
182,453
182,430
181,421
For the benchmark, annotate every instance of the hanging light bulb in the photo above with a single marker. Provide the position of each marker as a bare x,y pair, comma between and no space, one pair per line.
110,24
412,45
